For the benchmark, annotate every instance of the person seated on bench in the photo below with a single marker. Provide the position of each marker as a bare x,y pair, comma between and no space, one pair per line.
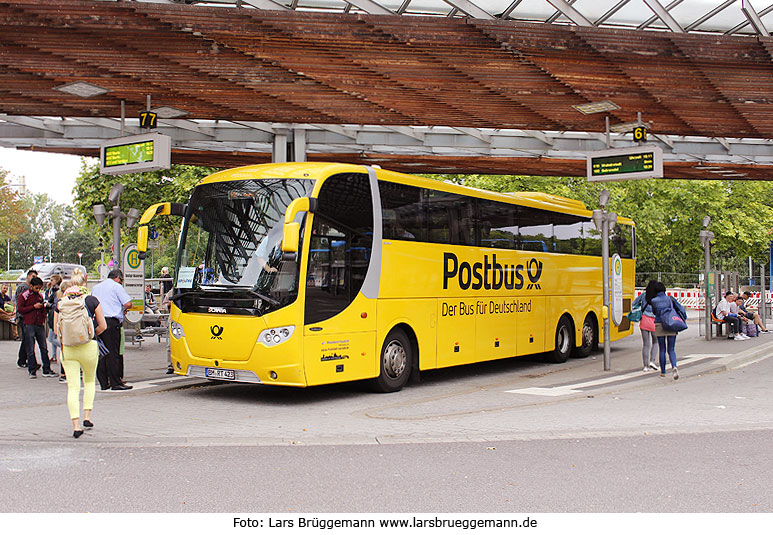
724,313
749,316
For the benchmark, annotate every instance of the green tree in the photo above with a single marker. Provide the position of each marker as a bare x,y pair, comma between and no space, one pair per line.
141,190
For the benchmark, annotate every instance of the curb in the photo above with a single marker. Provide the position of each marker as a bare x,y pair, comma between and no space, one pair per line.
742,359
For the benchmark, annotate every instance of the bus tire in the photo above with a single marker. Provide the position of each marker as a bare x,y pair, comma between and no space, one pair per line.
589,338
395,362
564,341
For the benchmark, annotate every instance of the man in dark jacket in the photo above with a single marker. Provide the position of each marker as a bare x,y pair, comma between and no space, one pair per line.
21,362
33,311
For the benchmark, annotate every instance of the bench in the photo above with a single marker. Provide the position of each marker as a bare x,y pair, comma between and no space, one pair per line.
718,323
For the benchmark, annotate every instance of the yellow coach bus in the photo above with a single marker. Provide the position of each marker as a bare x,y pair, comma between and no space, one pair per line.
305,274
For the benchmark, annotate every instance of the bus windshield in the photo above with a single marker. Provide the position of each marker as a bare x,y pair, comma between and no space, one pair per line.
231,237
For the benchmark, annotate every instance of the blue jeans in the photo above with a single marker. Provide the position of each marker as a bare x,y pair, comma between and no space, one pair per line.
669,341
31,334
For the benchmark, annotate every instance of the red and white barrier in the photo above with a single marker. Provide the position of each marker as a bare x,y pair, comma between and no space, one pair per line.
693,299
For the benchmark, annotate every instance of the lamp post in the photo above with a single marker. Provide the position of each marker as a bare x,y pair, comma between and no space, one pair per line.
116,215
706,238
605,221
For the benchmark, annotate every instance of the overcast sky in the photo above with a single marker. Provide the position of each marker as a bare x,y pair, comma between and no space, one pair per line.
44,172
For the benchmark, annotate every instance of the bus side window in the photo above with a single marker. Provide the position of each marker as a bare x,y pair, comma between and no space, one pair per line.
567,234
403,212
536,230
497,224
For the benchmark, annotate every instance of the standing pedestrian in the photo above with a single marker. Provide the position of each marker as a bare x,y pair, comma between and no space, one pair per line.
664,306
166,282
115,300
21,362
78,317
33,313
50,302
649,351
10,309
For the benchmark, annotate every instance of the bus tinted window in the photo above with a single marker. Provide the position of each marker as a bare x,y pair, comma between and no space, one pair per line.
621,241
536,230
451,218
567,233
402,212
498,224
341,243
591,239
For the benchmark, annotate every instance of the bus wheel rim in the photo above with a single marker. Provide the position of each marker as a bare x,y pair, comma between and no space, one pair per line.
394,359
587,335
563,339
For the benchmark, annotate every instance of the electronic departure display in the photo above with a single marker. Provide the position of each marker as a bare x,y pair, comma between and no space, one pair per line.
645,161
135,154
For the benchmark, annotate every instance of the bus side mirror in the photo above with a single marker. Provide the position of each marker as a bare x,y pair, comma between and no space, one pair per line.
142,240
291,233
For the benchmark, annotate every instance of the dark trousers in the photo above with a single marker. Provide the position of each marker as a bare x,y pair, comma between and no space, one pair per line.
31,334
110,366
22,360
735,324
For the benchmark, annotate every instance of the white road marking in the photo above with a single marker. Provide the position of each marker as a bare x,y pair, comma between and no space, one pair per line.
577,388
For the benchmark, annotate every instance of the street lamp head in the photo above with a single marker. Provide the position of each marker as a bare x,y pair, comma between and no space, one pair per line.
132,217
100,214
115,193
598,219
612,218
706,221
603,198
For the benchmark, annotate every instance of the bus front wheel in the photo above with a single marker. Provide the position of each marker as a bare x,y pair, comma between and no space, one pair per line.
396,362
564,341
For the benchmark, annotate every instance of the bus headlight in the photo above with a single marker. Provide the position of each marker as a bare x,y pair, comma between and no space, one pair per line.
275,336
176,329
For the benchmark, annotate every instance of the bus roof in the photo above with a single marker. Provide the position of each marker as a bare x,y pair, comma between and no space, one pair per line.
321,170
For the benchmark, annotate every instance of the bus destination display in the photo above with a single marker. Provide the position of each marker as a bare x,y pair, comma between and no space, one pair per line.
135,154
629,163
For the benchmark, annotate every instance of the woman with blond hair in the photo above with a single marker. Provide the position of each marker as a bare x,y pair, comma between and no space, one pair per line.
81,357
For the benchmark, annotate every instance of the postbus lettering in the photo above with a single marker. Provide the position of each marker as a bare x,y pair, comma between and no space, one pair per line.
490,274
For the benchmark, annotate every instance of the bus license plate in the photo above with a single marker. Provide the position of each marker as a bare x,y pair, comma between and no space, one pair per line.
220,373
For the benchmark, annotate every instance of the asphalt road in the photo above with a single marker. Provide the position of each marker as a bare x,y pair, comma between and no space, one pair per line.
701,444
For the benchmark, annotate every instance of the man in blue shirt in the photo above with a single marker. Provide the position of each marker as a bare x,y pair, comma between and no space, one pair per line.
115,300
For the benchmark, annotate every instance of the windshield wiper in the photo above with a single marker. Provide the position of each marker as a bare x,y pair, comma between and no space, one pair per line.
247,289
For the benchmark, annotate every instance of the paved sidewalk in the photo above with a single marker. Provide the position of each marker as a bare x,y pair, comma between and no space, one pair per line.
494,400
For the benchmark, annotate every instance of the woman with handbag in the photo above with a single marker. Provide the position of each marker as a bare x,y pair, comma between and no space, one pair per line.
649,351
670,318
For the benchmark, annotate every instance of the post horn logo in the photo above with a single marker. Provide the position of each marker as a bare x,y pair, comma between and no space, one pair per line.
216,331
535,265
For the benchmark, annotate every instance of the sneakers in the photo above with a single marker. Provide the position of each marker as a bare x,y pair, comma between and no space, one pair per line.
741,337
645,370
62,379
21,366
49,373
138,338
654,366
33,375
676,374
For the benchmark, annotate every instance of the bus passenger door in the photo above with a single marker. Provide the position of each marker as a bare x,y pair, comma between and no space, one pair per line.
339,322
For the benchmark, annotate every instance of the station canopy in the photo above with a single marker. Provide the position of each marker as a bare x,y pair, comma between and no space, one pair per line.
448,86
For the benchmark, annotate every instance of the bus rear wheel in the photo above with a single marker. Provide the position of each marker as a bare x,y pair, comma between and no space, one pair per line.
564,341
589,338
395,362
